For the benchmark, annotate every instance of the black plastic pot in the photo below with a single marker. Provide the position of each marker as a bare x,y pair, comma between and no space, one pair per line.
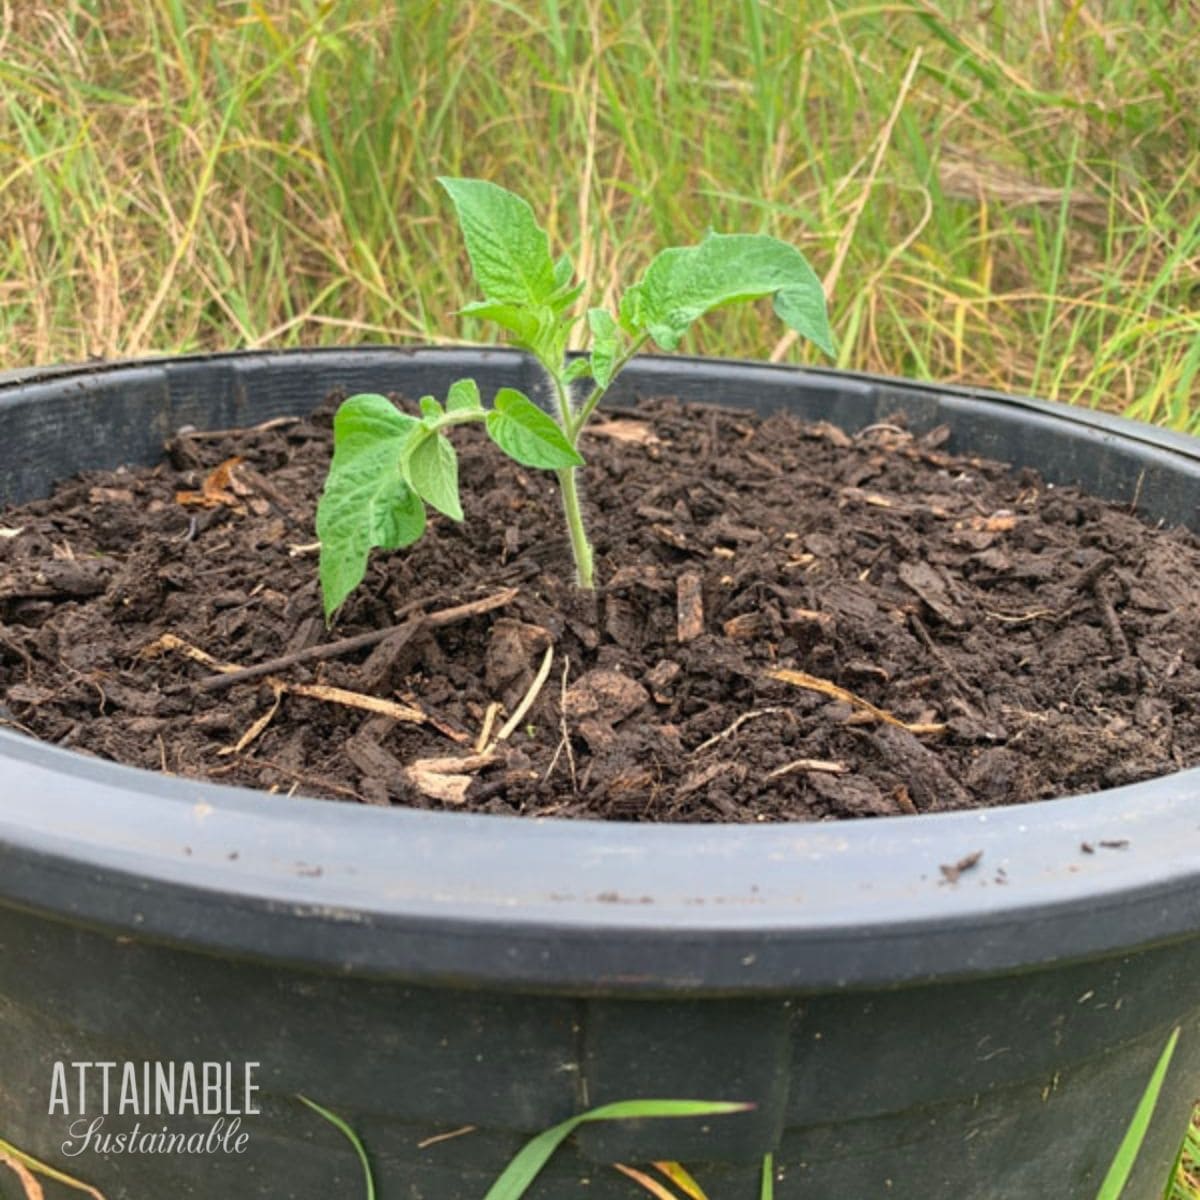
902,1037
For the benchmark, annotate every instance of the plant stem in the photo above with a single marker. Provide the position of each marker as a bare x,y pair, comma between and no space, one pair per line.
577,421
563,395
580,546
573,425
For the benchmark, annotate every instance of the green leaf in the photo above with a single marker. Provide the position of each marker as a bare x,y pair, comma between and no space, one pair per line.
348,1133
366,502
533,1156
463,396
527,434
685,282
577,368
563,270
804,310
565,294
431,468
1131,1143
606,345
431,410
509,251
561,301
526,323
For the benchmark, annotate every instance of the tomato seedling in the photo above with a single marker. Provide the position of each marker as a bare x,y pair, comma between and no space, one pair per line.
388,464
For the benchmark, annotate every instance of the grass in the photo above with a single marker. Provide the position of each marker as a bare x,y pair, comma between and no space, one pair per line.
523,1169
1005,195
1187,1179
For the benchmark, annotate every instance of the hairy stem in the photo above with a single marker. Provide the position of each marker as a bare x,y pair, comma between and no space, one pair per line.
573,424
562,392
580,546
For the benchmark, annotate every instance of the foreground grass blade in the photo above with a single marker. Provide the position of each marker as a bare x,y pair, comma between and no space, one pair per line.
682,1179
9,1155
659,1191
767,1191
1131,1143
1175,1179
529,1161
1184,1183
351,1137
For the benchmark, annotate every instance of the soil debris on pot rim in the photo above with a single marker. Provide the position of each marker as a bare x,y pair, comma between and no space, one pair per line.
793,624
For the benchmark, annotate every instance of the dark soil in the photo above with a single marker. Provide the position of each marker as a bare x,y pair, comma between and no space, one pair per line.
1053,638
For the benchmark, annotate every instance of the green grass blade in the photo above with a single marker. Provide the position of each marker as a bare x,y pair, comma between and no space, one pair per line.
1131,1143
767,1192
1056,267
351,1137
534,1155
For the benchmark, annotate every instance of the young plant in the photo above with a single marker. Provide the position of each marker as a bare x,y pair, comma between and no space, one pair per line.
388,465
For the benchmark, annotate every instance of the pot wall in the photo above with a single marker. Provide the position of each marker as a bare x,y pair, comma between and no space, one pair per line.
900,1036
1015,1087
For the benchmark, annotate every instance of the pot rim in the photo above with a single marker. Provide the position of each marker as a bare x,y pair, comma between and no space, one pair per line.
599,906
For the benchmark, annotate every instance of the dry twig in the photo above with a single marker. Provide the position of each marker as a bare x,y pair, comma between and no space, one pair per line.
265,427
735,726
336,695
257,729
564,743
822,766
814,684
446,779
424,1143
485,731
526,704
434,620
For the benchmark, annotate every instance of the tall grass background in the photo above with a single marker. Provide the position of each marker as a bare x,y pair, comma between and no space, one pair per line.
1001,194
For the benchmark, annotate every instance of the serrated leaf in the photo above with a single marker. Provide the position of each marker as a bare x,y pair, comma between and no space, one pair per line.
685,282
606,345
431,410
366,502
528,435
463,396
509,250
431,468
